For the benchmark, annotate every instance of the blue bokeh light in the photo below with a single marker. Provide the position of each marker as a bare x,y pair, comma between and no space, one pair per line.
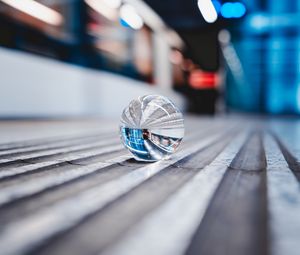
124,23
233,10
217,5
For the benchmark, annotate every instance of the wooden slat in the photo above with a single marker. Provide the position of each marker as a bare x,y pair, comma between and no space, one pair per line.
232,188
25,188
169,229
30,157
42,142
283,201
20,187
63,143
46,222
236,217
292,160
29,205
148,196
75,156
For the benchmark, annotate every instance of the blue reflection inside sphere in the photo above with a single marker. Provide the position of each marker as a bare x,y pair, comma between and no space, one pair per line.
151,128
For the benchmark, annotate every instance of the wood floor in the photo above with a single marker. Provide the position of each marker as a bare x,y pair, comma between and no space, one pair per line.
69,187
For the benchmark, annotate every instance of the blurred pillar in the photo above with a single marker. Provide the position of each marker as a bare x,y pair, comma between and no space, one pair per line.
82,52
282,61
162,64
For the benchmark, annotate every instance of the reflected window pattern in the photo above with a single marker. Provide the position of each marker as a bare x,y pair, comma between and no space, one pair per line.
145,145
134,141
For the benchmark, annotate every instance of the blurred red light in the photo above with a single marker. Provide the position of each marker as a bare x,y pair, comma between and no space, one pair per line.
199,79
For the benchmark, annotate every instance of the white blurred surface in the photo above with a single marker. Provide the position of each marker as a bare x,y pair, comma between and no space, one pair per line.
33,86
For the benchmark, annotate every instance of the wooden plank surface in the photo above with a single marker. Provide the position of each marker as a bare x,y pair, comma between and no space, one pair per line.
69,187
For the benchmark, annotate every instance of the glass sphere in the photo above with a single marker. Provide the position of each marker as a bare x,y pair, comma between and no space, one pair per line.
151,128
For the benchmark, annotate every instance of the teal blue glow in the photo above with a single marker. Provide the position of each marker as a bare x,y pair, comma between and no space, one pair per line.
233,10
217,5
124,23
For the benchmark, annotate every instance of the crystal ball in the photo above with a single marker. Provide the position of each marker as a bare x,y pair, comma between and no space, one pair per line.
151,128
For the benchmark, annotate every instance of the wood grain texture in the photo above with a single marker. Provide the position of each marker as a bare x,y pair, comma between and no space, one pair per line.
236,217
232,188
283,200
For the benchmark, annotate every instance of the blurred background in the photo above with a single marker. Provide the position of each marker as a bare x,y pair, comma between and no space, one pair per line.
63,58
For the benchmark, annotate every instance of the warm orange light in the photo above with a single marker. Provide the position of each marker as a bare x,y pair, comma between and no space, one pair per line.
36,10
